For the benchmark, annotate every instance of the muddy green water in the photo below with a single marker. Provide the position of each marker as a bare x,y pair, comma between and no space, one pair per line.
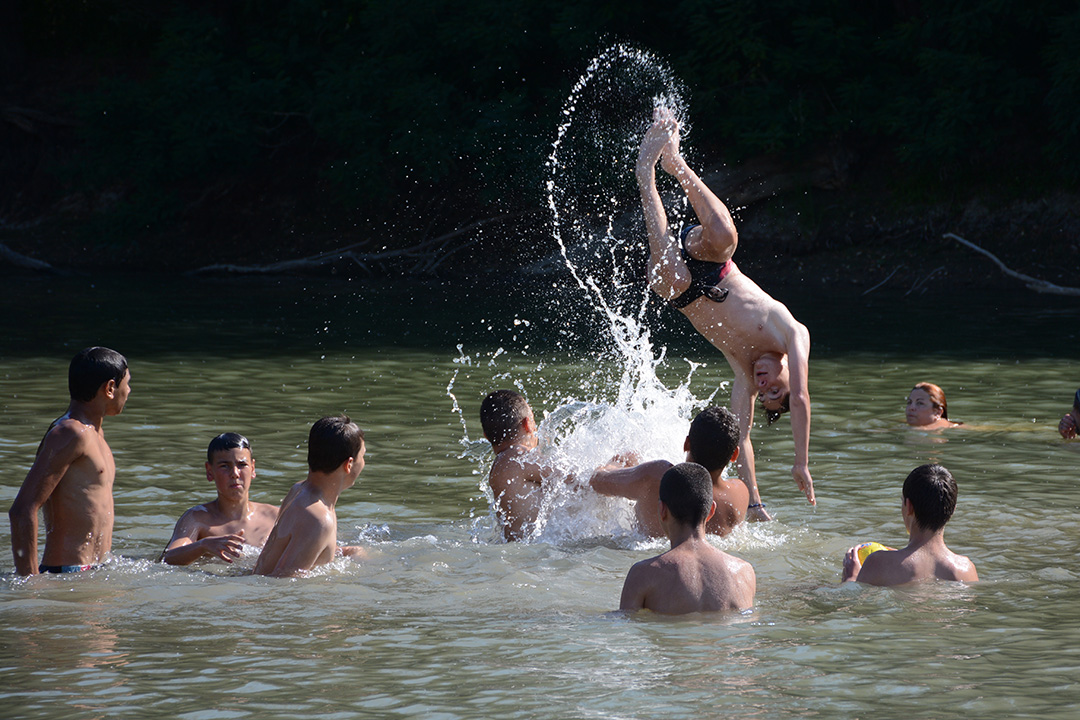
443,620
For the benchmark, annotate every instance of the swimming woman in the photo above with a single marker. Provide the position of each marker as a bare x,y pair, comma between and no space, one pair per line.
926,408
767,349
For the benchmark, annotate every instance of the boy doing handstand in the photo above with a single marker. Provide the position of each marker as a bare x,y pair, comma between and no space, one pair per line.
693,576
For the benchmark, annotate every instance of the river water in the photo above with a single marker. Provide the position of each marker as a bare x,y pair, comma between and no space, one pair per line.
444,620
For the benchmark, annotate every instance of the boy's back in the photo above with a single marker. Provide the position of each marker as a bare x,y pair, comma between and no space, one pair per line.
929,499
691,577
914,564
305,534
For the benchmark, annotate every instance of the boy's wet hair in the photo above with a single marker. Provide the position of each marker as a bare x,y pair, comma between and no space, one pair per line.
226,441
91,368
714,435
686,490
501,415
332,441
932,492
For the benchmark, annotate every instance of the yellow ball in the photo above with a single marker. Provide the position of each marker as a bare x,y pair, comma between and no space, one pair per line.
866,548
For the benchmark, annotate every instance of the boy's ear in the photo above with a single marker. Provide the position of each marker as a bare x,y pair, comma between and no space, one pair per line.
712,511
209,475
686,444
109,386
734,456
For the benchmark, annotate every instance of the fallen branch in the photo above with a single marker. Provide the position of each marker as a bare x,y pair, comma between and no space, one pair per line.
19,260
428,254
1041,286
919,283
897,268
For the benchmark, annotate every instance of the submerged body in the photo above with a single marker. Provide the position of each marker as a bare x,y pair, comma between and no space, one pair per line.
221,527
927,503
693,576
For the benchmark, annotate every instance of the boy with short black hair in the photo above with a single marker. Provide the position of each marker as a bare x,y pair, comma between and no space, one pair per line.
305,535
71,479
929,499
221,527
693,576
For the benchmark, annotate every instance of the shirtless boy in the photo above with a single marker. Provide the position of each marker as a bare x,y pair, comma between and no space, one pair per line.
693,576
516,478
305,535
929,498
221,527
712,443
767,349
71,479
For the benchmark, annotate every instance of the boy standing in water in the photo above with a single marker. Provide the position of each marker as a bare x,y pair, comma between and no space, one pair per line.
929,498
72,477
693,576
712,443
767,349
305,535
516,478
221,527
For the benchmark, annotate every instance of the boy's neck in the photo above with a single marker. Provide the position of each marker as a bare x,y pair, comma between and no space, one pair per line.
918,537
527,442
88,413
233,509
326,485
678,533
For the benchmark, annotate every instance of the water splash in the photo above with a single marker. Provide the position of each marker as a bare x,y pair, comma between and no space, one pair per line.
618,404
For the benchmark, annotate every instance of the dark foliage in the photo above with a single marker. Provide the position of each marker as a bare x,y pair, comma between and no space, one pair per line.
380,98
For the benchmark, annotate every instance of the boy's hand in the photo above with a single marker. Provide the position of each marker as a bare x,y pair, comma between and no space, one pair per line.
758,514
1067,426
225,547
801,473
852,566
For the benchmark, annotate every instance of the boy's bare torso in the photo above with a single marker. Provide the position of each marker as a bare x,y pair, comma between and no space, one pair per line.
79,513
516,483
304,537
695,577
746,325
256,525
899,567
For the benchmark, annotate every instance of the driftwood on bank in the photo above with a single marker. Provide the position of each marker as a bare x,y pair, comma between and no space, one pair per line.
1041,286
24,261
425,257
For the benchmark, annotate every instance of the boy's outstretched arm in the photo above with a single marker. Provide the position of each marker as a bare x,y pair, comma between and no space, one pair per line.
799,403
742,405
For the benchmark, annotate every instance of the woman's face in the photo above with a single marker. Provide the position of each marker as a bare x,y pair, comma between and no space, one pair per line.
920,410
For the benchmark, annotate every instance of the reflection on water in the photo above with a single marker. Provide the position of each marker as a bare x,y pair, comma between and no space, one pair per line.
445,621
